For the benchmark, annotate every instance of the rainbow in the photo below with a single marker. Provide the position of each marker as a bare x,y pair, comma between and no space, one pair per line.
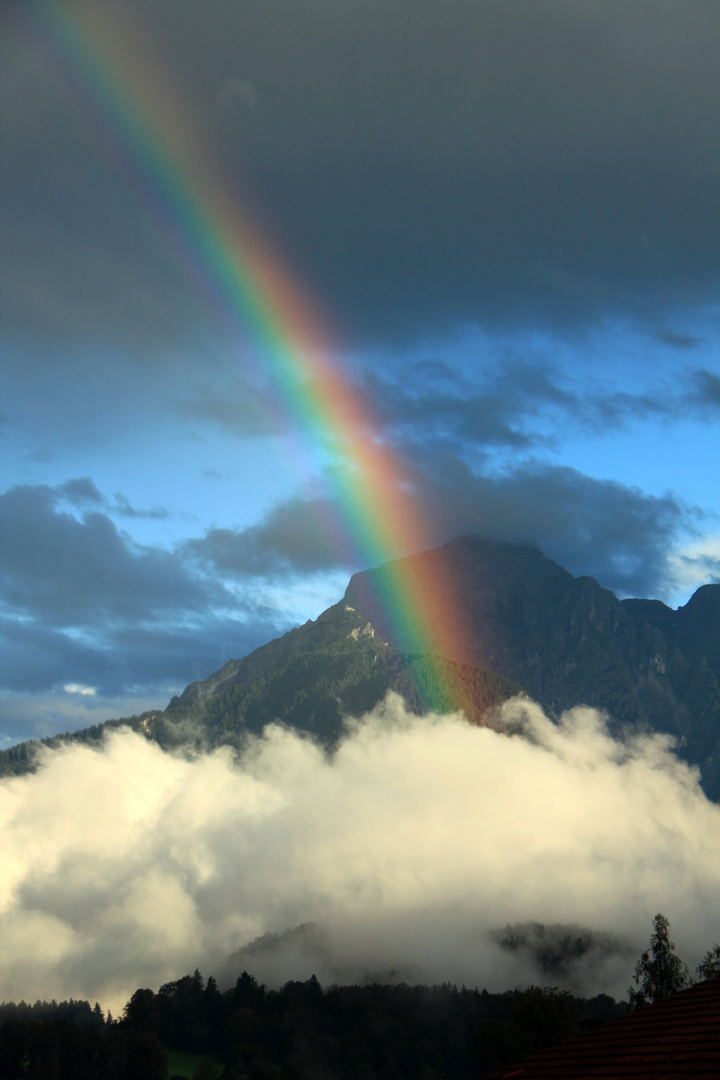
150,135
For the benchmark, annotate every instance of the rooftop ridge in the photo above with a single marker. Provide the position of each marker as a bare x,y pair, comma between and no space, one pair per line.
675,1039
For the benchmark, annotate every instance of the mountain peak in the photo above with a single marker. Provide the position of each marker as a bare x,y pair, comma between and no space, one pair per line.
520,624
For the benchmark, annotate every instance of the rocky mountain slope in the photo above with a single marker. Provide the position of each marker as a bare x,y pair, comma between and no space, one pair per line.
568,641
520,624
320,673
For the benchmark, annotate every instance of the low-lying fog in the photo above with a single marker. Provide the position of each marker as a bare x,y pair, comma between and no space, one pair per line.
404,857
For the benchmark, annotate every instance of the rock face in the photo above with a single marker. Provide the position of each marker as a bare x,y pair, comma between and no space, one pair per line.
567,641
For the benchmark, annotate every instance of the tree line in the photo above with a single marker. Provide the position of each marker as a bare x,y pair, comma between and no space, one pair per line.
300,1031
303,1031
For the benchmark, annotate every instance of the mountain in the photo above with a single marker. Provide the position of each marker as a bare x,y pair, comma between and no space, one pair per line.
567,641
334,667
520,623
311,679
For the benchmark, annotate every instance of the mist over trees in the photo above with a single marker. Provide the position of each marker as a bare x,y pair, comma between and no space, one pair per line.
303,1030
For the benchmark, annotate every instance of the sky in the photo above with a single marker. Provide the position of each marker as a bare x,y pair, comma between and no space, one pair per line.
500,221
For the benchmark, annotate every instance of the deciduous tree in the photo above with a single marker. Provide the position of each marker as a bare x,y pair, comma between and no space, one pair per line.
709,966
659,972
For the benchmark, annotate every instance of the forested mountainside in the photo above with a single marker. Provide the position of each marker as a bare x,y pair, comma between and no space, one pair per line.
522,624
310,679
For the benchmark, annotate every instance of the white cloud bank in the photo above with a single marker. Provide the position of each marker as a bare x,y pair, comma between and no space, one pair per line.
126,867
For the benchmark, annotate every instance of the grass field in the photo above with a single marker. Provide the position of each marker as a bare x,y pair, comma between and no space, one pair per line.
183,1064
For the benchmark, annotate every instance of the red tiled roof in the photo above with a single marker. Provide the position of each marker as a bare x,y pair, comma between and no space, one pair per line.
675,1039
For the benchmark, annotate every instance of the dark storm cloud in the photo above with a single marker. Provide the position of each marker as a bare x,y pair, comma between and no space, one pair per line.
607,530
80,491
34,657
179,654
679,341
295,537
118,664
708,391
124,508
446,161
237,92
113,671
485,419
497,408
612,532
617,410
521,406
235,406
696,395
81,603
67,276
72,571
84,605
83,256
420,163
